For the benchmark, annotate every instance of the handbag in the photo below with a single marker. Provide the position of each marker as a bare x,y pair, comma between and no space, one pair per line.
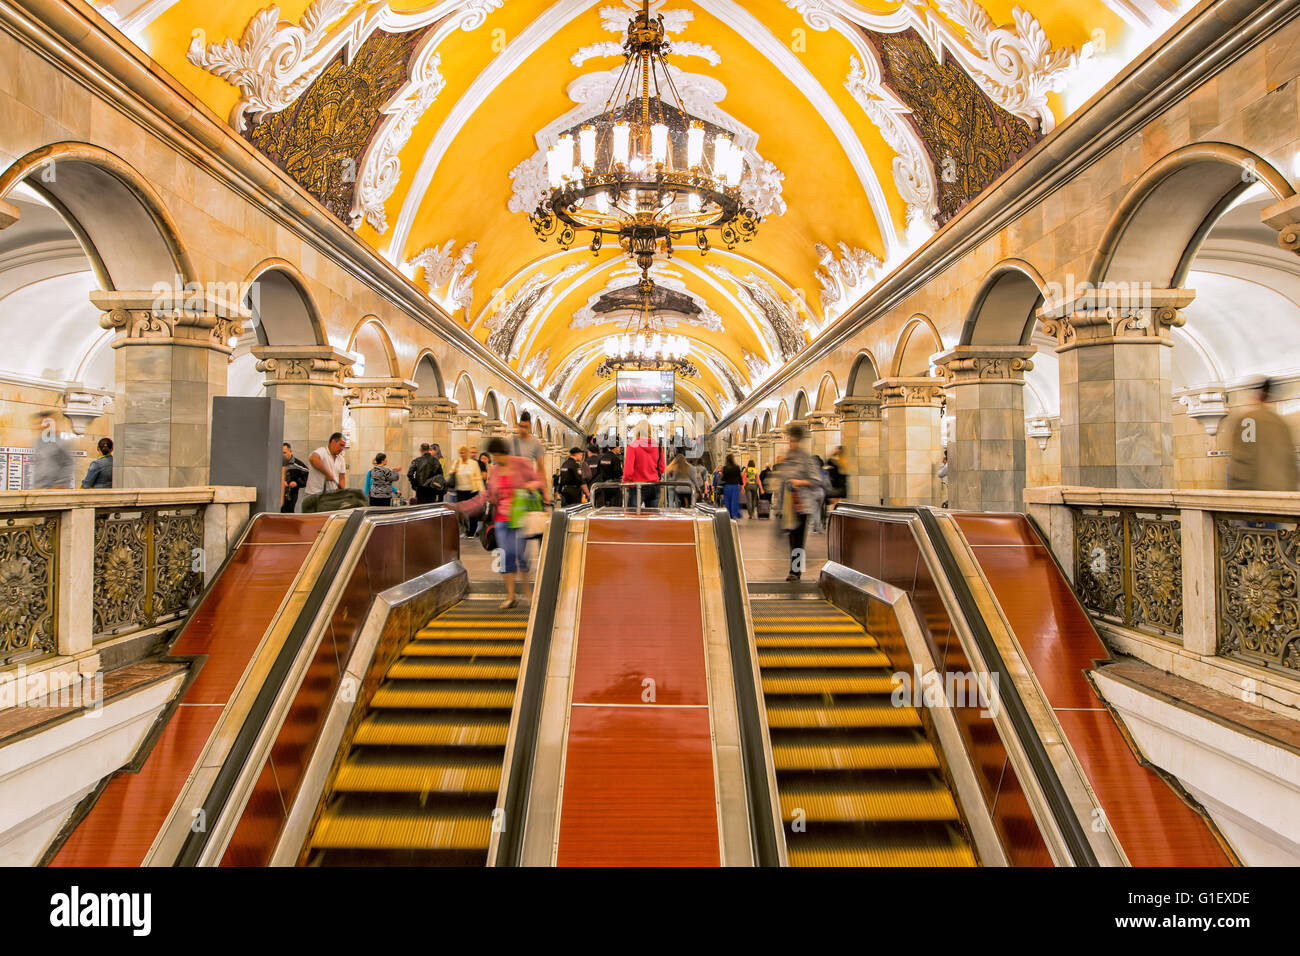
488,535
533,524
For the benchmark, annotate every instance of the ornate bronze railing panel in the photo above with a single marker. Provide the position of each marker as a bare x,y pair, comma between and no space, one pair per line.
1258,567
29,553
1128,567
147,567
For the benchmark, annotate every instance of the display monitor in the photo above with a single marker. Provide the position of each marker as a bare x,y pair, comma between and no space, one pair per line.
645,388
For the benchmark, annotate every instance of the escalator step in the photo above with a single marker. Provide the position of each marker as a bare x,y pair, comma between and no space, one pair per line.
827,684
432,730
847,853
459,633
821,657
346,829
417,775
845,804
434,670
841,717
449,648
442,699
815,640
915,754
769,626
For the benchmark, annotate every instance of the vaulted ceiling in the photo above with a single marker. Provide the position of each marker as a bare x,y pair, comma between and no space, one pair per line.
423,125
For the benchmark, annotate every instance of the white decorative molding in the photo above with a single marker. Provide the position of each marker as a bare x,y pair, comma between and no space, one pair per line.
1039,429
82,406
1145,14
758,368
782,322
1207,404
846,279
610,49
449,272
535,367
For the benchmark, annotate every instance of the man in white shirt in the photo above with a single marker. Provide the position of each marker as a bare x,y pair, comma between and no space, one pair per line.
526,446
327,467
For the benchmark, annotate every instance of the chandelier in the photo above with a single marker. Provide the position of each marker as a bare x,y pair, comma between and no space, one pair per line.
644,347
644,172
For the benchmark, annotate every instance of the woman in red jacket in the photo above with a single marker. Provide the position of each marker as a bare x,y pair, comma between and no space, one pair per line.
644,461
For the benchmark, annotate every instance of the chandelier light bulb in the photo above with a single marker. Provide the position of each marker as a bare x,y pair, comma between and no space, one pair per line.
659,143
695,144
587,145
564,152
622,134
553,167
721,150
735,166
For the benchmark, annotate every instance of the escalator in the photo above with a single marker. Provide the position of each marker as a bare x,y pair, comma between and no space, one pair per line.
859,781
419,780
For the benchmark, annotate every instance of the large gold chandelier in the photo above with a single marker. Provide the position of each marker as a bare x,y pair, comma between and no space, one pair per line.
644,171
644,347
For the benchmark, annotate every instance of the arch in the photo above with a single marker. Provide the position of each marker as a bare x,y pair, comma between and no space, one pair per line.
767,422
118,217
800,405
370,341
511,416
1164,217
917,343
491,406
828,393
427,376
863,375
1005,308
463,394
782,414
284,312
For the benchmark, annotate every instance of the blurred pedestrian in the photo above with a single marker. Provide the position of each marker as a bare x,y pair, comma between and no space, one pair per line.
1262,447
53,465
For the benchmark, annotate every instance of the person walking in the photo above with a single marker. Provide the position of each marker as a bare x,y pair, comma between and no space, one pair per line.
797,474
440,474
293,476
1262,447
328,470
526,446
425,476
381,481
943,477
509,474
644,463
572,484
100,472
753,487
53,465
680,470
469,484
733,480
837,477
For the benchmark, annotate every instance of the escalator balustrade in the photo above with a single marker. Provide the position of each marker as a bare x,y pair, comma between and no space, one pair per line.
859,782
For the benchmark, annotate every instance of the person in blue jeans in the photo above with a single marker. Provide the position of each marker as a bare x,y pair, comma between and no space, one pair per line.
508,474
733,479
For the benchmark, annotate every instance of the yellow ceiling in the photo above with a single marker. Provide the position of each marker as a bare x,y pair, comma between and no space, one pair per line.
466,198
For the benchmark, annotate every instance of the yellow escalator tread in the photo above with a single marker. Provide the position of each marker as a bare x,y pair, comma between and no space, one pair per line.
416,776
786,716
441,699
817,684
957,854
805,658
815,640
865,755
473,633
419,648
849,805
460,730
769,626
402,831
434,670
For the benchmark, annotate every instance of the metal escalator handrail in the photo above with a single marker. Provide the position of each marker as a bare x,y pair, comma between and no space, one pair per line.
1058,803
510,848
753,725
232,767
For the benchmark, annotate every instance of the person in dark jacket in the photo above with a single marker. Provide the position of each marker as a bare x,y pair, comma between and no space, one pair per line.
424,470
293,478
572,484
100,472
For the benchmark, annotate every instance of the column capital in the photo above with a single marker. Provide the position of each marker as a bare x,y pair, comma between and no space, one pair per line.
858,408
303,364
1127,313
977,364
171,317
435,409
1284,216
903,391
823,421
379,392
472,420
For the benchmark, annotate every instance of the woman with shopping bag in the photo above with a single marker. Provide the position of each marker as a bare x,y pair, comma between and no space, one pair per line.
515,492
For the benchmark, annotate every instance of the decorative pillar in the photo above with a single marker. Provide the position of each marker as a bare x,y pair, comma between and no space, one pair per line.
309,380
824,428
467,430
746,451
766,450
986,453
380,409
1116,360
860,435
431,422
172,355
911,442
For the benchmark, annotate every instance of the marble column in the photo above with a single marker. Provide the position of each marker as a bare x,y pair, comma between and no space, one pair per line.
860,435
748,450
309,380
911,440
766,445
986,453
467,430
380,409
431,422
172,353
1116,363
825,431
